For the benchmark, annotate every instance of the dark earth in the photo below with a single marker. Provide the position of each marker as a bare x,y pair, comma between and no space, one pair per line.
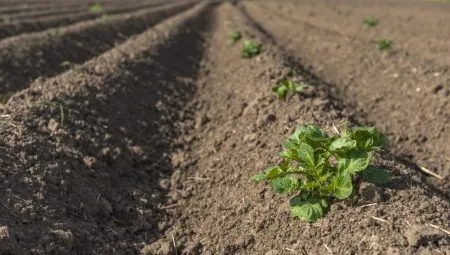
136,129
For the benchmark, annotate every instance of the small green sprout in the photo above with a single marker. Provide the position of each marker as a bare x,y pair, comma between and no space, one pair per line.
250,49
234,37
287,86
60,105
370,22
384,44
318,168
96,7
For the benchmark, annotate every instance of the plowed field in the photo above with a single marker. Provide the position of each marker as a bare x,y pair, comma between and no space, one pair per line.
135,129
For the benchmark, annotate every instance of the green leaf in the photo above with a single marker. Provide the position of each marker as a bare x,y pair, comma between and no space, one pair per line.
370,21
282,92
384,44
289,154
269,173
234,36
259,177
353,162
343,143
342,186
306,154
376,175
368,138
284,184
250,49
291,144
299,88
273,172
308,131
308,210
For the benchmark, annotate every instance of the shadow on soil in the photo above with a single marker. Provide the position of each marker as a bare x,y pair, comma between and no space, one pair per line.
64,51
117,145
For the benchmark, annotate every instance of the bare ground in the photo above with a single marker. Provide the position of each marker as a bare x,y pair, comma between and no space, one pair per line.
147,146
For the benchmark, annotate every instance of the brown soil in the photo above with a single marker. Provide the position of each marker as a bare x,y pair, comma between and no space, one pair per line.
60,20
148,148
52,51
403,94
52,10
26,6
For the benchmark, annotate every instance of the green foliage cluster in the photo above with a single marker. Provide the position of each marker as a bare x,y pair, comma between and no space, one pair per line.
384,44
251,49
234,37
287,86
370,22
318,167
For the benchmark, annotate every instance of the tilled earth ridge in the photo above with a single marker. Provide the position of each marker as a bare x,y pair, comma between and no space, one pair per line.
30,4
83,153
214,207
400,95
14,28
418,32
65,10
26,57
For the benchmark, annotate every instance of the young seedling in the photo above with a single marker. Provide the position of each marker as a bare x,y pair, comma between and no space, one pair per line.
318,168
384,44
60,105
250,49
370,22
234,37
96,7
287,86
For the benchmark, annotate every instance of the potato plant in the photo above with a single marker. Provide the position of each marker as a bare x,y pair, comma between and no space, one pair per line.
234,37
317,168
384,44
251,49
284,87
370,22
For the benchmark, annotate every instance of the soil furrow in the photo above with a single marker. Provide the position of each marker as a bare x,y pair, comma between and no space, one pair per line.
42,14
84,155
44,54
36,25
67,10
426,38
11,8
239,126
406,98
404,7
25,6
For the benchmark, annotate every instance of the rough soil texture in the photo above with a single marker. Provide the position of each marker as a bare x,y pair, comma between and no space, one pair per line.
26,57
147,146
12,26
404,94
66,10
